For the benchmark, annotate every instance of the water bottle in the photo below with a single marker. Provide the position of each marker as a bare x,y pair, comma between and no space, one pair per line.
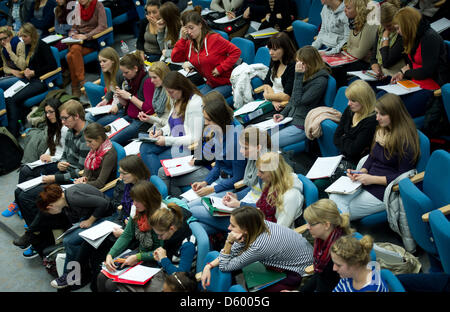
124,47
21,127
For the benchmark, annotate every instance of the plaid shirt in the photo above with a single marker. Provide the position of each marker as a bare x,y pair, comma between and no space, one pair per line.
75,152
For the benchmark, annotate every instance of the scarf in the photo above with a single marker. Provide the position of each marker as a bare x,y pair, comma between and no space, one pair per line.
250,173
351,23
86,13
321,251
268,210
392,39
142,223
94,158
135,83
381,136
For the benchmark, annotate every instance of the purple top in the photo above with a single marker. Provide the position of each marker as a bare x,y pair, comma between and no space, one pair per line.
377,164
176,126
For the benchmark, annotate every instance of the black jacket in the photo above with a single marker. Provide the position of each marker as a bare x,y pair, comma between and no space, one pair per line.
434,56
42,60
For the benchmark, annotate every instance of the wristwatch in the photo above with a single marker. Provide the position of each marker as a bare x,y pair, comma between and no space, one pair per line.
385,39
131,95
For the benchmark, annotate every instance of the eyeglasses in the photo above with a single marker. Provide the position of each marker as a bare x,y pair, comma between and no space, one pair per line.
64,118
50,112
178,280
313,224
123,172
3,38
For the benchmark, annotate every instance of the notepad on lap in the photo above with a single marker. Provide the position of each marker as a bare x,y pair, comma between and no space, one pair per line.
117,126
30,183
264,33
258,277
401,87
16,87
343,185
99,110
270,123
324,167
97,234
178,166
132,148
37,163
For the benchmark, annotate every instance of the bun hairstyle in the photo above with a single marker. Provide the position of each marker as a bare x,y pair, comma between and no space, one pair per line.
164,217
353,251
325,210
94,131
132,60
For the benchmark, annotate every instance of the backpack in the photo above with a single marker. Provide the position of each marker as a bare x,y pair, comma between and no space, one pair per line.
12,152
37,115
229,28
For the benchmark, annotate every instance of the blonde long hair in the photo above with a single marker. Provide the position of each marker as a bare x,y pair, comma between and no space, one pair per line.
281,179
325,210
31,31
361,92
110,76
362,10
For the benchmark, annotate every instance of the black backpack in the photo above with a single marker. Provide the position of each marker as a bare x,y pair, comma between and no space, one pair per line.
11,152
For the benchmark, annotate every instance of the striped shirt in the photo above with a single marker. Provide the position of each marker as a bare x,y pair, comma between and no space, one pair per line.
376,284
281,248
75,152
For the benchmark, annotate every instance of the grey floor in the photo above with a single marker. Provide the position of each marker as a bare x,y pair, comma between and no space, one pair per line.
28,275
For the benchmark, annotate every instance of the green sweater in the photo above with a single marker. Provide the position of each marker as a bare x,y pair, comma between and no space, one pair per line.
145,254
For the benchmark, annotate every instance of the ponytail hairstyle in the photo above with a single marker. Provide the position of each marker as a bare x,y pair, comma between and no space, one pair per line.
325,210
194,17
165,217
354,252
132,60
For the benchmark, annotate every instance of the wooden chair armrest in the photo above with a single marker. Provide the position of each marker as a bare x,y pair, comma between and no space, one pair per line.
51,29
309,269
301,229
2,111
193,146
289,28
109,185
445,210
239,184
49,74
259,89
439,3
198,276
415,179
102,33
438,93
306,20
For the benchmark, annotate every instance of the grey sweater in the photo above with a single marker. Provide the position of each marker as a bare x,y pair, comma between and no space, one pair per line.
306,95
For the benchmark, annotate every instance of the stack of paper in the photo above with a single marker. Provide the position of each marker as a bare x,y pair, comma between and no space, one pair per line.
178,166
399,88
71,40
99,110
324,167
52,38
132,148
440,25
98,233
343,185
338,59
186,73
367,75
264,33
190,194
270,123
30,183
248,108
225,19
37,163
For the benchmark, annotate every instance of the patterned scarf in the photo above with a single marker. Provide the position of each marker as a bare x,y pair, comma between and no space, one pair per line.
94,158
321,252
86,13
142,222
381,135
